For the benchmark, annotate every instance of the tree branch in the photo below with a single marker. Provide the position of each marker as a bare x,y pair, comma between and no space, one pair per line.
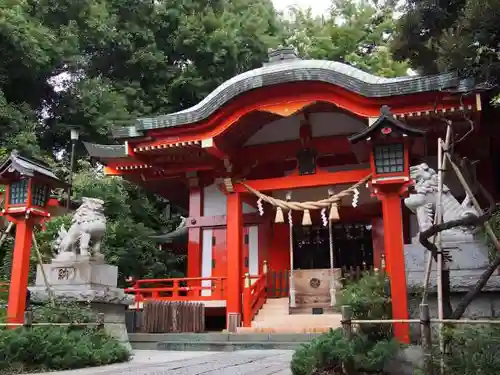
465,221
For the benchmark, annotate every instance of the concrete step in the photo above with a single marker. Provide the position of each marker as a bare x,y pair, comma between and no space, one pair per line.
219,341
277,301
308,308
284,330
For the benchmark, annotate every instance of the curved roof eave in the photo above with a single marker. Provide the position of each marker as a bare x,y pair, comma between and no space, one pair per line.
297,70
106,151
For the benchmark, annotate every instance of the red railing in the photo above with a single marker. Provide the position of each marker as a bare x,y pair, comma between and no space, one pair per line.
178,289
254,296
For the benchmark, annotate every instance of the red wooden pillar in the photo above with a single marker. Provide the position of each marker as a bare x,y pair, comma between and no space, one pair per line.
395,259
194,234
194,239
234,255
20,271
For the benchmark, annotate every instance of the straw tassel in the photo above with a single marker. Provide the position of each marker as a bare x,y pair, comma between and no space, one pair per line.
306,219
279,216
334,212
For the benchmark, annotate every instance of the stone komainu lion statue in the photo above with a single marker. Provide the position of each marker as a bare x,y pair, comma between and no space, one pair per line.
87,230
423,201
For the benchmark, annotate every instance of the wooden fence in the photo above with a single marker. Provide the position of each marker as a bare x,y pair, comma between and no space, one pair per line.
278,284
165,317
425,329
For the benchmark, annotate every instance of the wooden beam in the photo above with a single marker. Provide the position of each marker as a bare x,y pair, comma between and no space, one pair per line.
288,150
307,181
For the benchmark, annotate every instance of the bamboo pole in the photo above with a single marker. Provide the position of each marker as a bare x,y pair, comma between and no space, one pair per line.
44,275
475,203
290,233
332,264
442,148
426,335
6,233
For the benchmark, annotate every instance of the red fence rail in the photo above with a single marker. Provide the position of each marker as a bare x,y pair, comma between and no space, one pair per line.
178,289
254,296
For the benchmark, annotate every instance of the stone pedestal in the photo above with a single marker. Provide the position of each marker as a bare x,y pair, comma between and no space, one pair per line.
469,256
86,281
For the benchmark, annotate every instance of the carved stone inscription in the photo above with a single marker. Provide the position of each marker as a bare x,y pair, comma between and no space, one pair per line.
62,274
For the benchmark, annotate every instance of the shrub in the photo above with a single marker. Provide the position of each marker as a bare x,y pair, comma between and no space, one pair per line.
369,300
56,347
329,351
472,350
67,312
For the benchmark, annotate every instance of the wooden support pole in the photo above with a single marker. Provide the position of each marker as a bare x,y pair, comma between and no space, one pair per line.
347,315
426,336
468,190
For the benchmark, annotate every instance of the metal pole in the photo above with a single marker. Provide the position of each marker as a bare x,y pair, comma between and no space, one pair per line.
72,168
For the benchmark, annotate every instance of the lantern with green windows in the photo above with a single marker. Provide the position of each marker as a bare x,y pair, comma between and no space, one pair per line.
28,183
389,142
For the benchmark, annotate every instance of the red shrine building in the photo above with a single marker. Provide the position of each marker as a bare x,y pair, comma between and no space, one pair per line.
293,175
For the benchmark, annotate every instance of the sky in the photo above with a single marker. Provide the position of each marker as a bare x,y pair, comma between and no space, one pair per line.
318,6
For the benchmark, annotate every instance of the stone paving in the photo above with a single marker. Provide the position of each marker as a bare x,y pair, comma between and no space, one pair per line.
150,362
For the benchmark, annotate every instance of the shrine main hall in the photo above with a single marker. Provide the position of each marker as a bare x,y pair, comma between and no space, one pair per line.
293,174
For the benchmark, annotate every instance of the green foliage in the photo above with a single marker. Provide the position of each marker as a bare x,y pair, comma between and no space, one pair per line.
57,348
132,217
355,32
99,64
330,350
369,300
451,34
472,350
64,312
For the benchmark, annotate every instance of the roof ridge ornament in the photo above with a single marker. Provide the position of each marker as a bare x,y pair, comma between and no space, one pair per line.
277,55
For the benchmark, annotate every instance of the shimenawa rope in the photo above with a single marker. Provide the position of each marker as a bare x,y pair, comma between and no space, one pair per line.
309,205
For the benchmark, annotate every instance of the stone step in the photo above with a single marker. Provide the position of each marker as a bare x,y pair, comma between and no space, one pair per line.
308,308
277,301
215,341
226,346
297,325
285,330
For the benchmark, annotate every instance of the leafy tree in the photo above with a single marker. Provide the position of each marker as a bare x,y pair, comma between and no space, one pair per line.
462,35
98,64
357,33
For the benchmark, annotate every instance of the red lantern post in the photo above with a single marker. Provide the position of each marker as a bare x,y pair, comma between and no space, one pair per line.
389,144
28,185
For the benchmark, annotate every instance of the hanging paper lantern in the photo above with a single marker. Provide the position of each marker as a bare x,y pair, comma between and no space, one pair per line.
279,216
334,212
355,197
306,219
323,217
260,207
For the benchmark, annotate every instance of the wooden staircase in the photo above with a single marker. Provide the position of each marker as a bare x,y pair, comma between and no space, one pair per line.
275,317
